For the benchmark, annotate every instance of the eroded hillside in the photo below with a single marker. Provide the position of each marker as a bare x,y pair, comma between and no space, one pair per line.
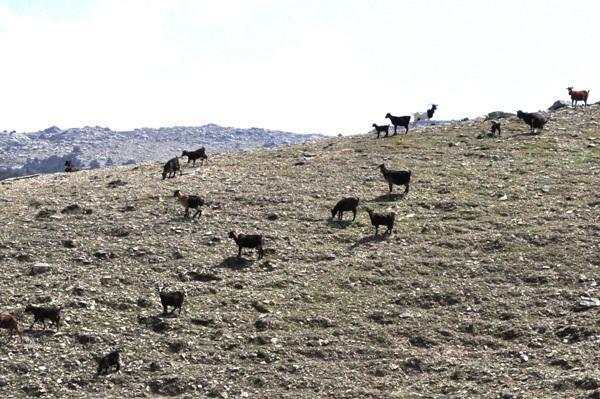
476,294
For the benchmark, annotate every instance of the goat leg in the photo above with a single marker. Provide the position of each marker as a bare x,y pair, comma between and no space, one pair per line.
354,212
406,190
239,252
390,187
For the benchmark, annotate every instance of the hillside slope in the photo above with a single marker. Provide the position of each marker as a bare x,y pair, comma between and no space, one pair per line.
476,294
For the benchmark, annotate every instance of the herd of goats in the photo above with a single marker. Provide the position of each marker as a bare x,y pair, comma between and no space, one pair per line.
175,299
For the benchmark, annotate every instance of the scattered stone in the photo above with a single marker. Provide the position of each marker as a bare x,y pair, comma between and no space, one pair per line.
45,213
68,243
587,303
40,268
272,216
204,277
260,307
117,183
498,115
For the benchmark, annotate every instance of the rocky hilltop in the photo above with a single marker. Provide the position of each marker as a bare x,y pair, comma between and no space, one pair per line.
93,147
487,287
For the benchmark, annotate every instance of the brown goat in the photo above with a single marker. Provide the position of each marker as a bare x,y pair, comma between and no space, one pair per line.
581,95
10,323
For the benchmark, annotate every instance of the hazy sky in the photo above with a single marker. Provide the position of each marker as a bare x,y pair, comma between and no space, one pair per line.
330,66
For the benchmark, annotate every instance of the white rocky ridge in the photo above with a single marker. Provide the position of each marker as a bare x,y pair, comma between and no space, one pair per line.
88,144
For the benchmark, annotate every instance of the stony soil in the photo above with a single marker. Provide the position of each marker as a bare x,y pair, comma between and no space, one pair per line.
480,292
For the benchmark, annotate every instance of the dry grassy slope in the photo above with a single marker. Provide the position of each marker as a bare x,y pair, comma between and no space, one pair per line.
472,296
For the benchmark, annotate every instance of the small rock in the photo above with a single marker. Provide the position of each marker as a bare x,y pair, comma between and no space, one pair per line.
69,243
546,189
40,268
587,303
272,216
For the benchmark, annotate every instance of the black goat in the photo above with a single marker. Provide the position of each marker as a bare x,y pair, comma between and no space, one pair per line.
382,219
535,120
189,201
106,362
173,298
41,313
69,167
171,167
496,127
399,121
381,129
200,153
346,204
397,177
248,241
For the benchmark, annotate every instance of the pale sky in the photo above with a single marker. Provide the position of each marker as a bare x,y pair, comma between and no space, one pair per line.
322,66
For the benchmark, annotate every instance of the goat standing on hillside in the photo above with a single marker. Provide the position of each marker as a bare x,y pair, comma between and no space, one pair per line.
397,177
420,116
173,298
399,121
581,95
189,201
171,167
200,153
248,241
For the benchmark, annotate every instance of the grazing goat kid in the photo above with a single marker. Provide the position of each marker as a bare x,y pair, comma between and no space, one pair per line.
399,121
41,313
10,323
189,201
346,204
581,95
397,177
106,362
248,241
381,129
382,219
496,127
535,120
174,298
200,153
420,116
171,168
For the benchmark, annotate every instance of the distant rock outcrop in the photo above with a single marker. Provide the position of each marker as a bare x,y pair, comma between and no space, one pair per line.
92,147
498,115
558,104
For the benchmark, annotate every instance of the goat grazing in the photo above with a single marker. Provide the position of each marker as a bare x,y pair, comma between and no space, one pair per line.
397,177
581,95
10,323
171,167
381,129
399,121
421,116
496,127
106,362
382,219
189,201
248,241
535,120
200,153
41,313
173,298
346,204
